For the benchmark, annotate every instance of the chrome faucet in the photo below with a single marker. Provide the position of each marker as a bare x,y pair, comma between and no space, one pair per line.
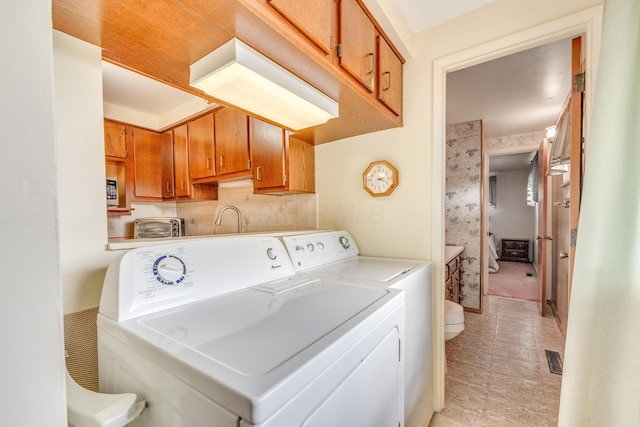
224,208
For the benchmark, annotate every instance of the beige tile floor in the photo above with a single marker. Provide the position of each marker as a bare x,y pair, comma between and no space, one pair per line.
497,370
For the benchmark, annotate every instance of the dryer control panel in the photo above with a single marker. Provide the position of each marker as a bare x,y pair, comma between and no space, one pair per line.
313,250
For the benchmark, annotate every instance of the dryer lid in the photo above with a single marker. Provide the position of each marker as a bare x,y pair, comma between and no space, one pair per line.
377,269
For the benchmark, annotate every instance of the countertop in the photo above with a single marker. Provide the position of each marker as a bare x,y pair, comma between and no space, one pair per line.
450,252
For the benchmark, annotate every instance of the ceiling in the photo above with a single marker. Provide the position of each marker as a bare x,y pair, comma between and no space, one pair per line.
423,14
520,93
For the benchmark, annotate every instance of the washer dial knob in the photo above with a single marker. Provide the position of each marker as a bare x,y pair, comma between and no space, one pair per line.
344,242
169,270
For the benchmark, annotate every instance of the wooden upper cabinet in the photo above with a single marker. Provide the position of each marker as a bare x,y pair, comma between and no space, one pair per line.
181,162
147,163
282,164
357,51
389,77
300,165
312,18
115,139
267,154
166,161
231,131
201,147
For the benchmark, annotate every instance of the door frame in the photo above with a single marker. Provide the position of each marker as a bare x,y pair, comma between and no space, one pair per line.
588,23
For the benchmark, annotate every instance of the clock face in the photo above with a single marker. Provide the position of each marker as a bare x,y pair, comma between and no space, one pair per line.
380,178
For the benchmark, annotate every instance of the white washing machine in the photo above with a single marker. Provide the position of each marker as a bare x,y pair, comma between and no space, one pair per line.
222,332
335,254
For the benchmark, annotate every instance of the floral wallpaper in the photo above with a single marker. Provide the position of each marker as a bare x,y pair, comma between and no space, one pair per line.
509,141
462,203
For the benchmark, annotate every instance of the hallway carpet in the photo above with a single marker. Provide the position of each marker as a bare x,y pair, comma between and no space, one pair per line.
514,280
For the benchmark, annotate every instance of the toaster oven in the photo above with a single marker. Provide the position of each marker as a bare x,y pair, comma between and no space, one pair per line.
153,228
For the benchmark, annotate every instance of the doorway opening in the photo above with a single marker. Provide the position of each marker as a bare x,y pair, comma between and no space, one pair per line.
511,225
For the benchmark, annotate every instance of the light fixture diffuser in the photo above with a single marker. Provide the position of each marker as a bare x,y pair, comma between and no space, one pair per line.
238,75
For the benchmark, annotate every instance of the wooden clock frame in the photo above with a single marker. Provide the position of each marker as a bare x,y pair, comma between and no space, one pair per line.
394,178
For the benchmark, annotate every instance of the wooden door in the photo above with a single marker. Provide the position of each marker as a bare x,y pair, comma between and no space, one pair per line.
115,137
231,131
181,162
201,147
389,77
543,238
147,163
577,150
312,18
166,160
267,154
357,43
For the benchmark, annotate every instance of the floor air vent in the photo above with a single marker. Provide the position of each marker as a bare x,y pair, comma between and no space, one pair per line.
554,361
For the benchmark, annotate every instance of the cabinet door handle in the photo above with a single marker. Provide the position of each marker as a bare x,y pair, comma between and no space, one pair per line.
387,74
183,184
259,173
371,57
168,187
221,160
208,163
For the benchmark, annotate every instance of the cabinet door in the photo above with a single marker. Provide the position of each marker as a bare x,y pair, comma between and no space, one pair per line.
147,179
115,137
389,77
312,18
181,162
267,153
201,147
232,141
358,43
166,159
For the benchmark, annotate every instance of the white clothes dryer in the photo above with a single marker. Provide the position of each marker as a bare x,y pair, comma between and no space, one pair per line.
222,332
335,254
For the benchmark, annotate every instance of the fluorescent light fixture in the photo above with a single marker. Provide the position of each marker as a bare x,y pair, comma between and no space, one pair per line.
237,75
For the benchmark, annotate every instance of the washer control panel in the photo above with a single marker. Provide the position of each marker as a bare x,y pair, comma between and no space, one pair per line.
313,250
154,278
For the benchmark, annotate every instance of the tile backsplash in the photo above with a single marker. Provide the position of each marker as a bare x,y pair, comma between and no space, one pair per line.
260,213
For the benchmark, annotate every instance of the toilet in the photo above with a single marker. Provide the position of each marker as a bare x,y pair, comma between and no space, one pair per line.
86,408
453,319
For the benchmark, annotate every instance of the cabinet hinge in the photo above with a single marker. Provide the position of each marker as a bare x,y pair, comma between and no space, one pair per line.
339,50
284,179
574,237
578,83
133,132
249,164
330,42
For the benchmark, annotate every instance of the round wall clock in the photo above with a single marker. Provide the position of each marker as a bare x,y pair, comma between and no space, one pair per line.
380,178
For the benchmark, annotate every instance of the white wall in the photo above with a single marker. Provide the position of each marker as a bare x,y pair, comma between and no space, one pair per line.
31,359
512,218
79,132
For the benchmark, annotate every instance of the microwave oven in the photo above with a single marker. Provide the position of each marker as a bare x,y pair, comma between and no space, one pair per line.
112,192
153,228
